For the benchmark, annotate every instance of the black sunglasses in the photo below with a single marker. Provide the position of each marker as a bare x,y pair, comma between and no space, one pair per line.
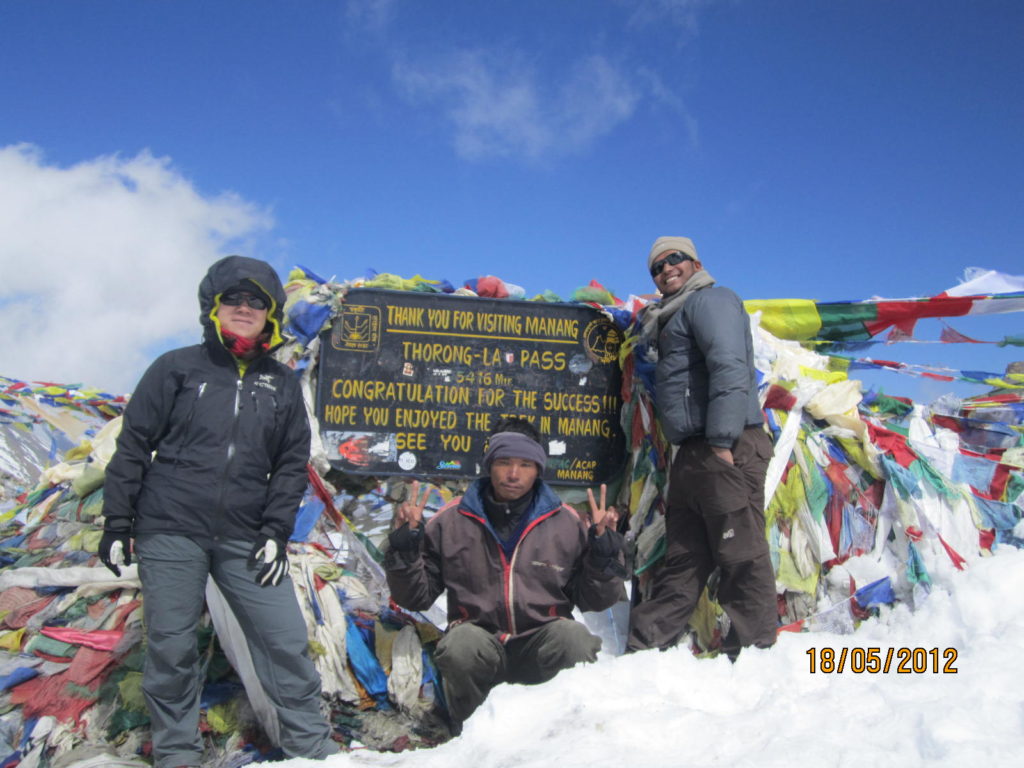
237,298
676,257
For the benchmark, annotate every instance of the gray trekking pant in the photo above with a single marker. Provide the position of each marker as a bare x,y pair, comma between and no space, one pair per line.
472,660
173,570
715,519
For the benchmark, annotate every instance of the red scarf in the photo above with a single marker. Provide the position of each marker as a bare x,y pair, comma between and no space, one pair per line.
242,348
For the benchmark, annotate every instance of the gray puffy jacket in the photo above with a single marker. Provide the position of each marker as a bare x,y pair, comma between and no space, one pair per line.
705,380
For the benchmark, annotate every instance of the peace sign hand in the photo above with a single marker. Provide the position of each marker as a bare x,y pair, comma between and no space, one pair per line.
411,510
601,515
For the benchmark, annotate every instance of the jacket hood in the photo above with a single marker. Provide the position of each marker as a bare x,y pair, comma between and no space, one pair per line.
253,274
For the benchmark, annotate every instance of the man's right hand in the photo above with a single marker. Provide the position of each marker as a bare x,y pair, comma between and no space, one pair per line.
601,515
723,453
115,549
411,510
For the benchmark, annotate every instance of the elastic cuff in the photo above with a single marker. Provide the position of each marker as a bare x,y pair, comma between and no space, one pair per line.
608,544
721,442
270,533
117,525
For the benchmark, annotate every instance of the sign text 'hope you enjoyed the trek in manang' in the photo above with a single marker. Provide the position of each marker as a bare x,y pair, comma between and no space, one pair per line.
413,383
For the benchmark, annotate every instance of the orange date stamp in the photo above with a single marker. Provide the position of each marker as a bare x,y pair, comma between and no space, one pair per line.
874,661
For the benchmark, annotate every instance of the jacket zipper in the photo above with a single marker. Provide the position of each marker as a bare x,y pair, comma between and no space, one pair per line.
188,421
230,452
510,589
506,567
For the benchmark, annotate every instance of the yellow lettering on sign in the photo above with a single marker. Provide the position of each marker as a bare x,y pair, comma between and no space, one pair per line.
478,422
436,353
490,398
439,318
377,416
577,427
411,441
576,402
455,442
562,327
399,391
340,414
525,398
424,418
464,321
545,360
490,322
574,474
409,317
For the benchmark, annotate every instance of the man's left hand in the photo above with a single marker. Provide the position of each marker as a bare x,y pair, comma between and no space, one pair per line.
602,516
271,558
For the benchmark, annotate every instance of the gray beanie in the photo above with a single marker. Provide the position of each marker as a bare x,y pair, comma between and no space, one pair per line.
513,445
663,244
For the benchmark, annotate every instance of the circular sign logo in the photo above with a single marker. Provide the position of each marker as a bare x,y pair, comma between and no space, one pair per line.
602,340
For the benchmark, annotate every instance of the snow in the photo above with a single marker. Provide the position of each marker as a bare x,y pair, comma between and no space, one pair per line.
768,709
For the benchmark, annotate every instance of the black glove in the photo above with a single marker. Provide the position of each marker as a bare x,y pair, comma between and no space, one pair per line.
115,549
271,557
605,551
406,539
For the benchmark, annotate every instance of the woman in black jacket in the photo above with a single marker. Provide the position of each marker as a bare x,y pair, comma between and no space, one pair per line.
208,474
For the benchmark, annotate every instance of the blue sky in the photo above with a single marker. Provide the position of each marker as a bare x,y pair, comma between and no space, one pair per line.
827,150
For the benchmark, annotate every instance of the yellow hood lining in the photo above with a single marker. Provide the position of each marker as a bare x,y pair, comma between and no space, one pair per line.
275,334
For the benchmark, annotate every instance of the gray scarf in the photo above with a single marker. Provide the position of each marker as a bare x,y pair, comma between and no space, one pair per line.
658,314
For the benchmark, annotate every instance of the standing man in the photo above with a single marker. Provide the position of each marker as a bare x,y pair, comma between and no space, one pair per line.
208,474
515,561
706,396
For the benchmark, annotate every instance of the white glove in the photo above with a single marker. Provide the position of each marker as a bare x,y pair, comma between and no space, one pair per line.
272,560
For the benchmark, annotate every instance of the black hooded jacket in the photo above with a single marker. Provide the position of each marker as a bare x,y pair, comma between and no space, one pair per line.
211,448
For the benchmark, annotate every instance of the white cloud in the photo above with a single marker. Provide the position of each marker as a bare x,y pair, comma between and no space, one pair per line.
371,15
500,105
680,14
101,262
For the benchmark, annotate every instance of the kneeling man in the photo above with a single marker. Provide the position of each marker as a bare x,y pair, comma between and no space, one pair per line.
515,560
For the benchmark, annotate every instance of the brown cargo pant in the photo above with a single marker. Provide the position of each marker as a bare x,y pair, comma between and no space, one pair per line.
715,518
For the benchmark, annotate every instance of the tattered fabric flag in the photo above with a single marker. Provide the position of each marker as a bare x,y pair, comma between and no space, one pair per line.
876,593
805,319
898,334
97,639
952,336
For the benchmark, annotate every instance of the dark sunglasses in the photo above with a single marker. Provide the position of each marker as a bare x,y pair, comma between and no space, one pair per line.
237,298
676,257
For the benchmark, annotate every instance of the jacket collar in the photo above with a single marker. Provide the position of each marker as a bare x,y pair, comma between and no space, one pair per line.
544,500
220,355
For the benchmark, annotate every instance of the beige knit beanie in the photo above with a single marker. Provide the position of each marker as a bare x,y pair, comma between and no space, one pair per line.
663,244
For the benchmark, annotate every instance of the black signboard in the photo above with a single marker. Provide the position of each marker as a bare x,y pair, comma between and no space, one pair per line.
413,383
